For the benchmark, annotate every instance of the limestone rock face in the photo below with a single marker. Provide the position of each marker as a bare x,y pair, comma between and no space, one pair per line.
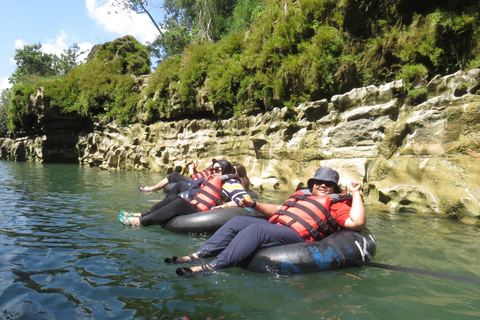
50,136
422,158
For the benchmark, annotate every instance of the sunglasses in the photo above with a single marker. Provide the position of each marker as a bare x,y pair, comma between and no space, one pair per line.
328,184
217,170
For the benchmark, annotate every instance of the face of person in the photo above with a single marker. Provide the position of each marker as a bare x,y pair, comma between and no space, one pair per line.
322,188
217,170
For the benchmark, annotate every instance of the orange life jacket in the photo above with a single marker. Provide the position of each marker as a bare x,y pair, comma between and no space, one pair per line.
210,193
309,215
202,174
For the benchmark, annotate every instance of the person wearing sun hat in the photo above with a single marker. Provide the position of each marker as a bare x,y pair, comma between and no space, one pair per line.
305,216
328,175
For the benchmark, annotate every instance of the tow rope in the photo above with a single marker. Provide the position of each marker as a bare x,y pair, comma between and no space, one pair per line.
414,271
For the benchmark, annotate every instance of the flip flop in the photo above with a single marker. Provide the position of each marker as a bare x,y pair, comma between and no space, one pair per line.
126,221
125,214
120,216
142,188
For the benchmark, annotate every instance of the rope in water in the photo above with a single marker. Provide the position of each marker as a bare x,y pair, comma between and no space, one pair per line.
415,271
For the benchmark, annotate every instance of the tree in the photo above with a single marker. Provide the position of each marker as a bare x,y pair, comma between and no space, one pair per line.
68,59
185,22
31,61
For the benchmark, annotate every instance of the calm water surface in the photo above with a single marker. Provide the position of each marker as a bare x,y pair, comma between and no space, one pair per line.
64,255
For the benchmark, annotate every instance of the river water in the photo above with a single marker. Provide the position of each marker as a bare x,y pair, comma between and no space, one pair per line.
64,255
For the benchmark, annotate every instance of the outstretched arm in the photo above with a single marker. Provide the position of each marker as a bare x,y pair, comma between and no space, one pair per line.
266,209
357,219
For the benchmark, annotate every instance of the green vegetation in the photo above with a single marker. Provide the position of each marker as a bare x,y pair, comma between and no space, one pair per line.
32,62
4,106
269,54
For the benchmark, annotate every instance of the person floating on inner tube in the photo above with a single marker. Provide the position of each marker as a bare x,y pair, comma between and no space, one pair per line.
222,189
301,218
176,177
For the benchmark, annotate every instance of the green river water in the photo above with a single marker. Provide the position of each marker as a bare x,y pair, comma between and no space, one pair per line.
64,255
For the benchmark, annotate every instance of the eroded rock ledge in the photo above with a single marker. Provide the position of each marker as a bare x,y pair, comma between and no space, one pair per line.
419,158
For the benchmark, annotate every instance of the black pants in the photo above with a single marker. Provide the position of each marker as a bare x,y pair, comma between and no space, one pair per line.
165,210
179,187
176,177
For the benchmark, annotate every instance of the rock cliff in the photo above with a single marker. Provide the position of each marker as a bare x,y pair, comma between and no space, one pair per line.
412,155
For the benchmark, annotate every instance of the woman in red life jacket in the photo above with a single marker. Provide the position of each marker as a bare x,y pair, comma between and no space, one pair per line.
176,177
222,187
303,217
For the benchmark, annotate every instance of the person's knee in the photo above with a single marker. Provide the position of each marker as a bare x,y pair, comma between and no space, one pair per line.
257,231
235,220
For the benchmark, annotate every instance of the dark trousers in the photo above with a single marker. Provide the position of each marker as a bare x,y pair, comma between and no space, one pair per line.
241,237
178,188
166,209
176,177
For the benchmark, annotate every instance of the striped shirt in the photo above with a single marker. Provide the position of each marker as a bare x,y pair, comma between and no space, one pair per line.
234,190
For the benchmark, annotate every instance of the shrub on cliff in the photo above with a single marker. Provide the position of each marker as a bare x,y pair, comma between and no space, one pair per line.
104,86
311,49
294,51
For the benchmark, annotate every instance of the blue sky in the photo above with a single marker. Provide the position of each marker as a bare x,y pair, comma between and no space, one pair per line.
58,24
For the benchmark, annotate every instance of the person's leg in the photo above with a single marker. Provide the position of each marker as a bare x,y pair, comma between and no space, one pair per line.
159,205
219,240
244,246
176,177
223,236
158,186
251,239
179,187
126,216
162,215
173,177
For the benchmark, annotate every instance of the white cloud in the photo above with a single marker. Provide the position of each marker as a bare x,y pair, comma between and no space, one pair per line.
4,84
19,44
56,46
84,47
120,22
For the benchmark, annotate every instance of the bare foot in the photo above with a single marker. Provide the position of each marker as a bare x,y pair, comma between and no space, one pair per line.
191,258
186,272
131,221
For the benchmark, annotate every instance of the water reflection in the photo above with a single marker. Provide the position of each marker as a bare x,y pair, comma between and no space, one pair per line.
63,255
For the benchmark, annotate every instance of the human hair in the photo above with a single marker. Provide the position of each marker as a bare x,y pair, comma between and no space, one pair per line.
242,174
226,166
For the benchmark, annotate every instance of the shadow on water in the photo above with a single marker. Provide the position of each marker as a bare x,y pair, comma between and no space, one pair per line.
64,255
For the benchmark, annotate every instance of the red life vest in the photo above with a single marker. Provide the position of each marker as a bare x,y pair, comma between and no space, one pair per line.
202,174
210,193
309,215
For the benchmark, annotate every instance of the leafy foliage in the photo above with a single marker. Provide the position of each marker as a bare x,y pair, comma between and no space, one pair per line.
31,62
4,105
248,56
19,115
105,86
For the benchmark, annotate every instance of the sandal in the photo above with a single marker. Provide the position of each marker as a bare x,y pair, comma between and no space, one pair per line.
175,260
142,188
124,214
125,220
186,272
